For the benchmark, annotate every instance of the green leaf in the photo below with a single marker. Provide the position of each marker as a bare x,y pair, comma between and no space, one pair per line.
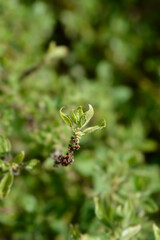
82,121
32,164
5,184
130,232
19,158
73,117
104,211
156,231
66,118
55,52
150,206
74,232
87,116
95,128
5,145
4,166
79,113
99,236
128,213
99,209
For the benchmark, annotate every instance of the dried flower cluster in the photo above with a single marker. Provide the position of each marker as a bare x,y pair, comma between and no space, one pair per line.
65,160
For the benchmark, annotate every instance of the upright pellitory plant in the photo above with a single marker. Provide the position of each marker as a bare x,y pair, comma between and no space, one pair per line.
77,121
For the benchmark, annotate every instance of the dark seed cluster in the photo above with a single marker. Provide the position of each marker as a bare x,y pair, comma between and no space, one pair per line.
65,160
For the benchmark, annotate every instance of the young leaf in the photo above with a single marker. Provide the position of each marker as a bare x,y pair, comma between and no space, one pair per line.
130,232
79,113
97,127
5,145
88,115
6,184
156,232
65,118
19,158
82,120
73,117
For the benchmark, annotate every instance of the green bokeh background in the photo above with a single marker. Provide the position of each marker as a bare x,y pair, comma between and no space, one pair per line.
113,63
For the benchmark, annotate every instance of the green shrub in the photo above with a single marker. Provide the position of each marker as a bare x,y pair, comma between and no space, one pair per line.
106,55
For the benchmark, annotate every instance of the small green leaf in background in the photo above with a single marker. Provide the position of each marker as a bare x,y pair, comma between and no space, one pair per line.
130,232
4,166
5,184
88,115
32,164
74,233
99,209
94,128
66,118
94,237
156,231
19,158
55,52
5,145
150,206
127,213
104,212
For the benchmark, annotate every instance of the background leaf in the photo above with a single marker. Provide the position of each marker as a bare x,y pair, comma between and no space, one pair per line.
5,184
32,164
5,145
130,232
19,158
156,232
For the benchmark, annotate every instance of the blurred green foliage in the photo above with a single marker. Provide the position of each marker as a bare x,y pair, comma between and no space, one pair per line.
112,190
